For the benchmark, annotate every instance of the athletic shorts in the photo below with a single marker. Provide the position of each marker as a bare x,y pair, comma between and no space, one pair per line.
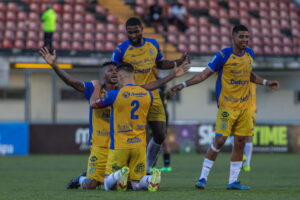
157,110
234,122
135,159
97,163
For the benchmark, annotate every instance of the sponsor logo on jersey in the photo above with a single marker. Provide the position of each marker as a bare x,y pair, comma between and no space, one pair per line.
126,94
239,82
134,140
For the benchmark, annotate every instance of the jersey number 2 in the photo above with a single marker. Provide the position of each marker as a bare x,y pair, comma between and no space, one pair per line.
135,104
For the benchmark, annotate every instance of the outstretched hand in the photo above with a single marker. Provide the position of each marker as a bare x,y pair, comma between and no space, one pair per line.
273,85
175,89
185,58
48,57
182,69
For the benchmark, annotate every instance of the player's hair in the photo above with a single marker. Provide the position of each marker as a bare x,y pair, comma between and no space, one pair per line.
134,21
238,28
126,67
107,63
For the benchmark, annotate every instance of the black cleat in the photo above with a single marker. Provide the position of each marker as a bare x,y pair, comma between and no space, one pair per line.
74,183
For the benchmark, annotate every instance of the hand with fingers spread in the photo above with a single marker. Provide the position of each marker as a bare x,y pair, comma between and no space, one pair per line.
48,57
182,69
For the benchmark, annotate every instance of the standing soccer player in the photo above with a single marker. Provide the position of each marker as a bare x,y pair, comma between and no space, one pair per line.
98,118
127,155
144,54
234,117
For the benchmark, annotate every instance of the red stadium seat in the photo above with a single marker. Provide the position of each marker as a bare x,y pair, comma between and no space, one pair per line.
213,4
112,28
277,50
287,41
67,8
257,50
204,39
76,45
2,25
121,28
256,41
31,44
100,37
183,39
204,30
172,38
276,41
253,5
78,17
101,10
11,25
139,10
88,36
66,36
233,5
89,18
214,39
193,48
287,50
243,5
109,46
193,39
67,17
8,34
65,45
34,7
32,35
214,30
192,21
275,32
192,30
182,48
204,48
214,48
112,19
202,4
34,16
111,37
19,44
80,9
263,5
99,46
77,36
273,5
233,14
89,27
225,40
88,46
12,7
67,27
7,44
20,35
268,50
2,6
11,15
78,27
122,37
214,12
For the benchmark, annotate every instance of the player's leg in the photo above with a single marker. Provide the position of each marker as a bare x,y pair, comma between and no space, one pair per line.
248,153
166,158
242,129
158,129
116,172
211,156
224,122
157,123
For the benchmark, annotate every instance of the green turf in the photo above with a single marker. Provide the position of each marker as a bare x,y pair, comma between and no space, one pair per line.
273,176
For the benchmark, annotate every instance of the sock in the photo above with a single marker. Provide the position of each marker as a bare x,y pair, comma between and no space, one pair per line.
152,153
235,168
232,140
142,184
81,180
167,160
111,180
248,153
206,167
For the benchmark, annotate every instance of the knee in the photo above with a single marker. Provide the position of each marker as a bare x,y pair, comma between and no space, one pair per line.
90,184
159,138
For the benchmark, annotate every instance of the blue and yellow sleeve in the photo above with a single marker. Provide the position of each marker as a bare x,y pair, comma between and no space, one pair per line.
119,52
156,44
109,98
88,89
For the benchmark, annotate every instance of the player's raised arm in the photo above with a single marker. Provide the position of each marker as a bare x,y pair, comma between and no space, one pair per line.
177,72
198,78
69,80
168,64
258,80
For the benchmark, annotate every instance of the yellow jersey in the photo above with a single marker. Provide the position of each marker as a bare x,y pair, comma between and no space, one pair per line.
233,82
128,119
98,118
143,58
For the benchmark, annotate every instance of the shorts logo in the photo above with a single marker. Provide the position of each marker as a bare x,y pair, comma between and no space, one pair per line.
139,168
91,170
93,158
126,94
223,126
115,167
225,114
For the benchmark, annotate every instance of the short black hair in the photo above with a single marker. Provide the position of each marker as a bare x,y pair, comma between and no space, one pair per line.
127,67
238,28
133,21
108,63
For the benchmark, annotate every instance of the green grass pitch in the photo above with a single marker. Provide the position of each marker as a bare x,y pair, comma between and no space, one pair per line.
43,177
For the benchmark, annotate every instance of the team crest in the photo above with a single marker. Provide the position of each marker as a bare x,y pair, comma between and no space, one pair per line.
93,158
225,114
126,94
151,52
139,168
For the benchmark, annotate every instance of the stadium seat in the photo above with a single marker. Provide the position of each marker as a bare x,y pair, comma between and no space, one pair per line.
88,36
214,48
122,37
100,36
79,17
101,10
78,27
193,39
99,46
11,15
77,36
109,46
12,7
111,37
7,44
183,39
202,4
76,45
277,50
204,39
89,18
31,44
214,39
67,27
67,17
193,48
88,46
2,6
192,4
34,16
19,44
243,5
112,28
139,10
182,48
66,36
80,9
20,35
11,25
204,48
67,8
253,5
172,38
64,45
257,50
8,34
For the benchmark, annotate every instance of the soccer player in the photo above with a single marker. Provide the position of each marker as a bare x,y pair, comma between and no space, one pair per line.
234,117
144,54
98,118
127,155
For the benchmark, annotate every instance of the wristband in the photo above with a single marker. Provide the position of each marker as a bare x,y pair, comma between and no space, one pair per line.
265,82
184,84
